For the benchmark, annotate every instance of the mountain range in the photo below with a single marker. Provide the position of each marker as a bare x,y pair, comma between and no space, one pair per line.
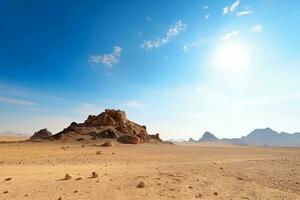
258,137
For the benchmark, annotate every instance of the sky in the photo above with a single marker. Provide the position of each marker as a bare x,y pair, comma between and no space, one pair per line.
179,67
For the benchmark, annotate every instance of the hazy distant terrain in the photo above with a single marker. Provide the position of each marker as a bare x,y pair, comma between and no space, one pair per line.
258,137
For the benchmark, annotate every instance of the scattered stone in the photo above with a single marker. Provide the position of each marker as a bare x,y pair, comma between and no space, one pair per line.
98,152
79,139
215,193
78,179
68,177
8,179
107,144
59,198
190,187
221,168
25,195
76,191
94,175
5,192
297,183
198,195
82,146
141,184
240,178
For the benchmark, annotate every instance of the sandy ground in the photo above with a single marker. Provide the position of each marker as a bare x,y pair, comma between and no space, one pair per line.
37,171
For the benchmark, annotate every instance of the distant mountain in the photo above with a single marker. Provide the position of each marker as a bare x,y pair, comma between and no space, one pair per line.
269,137
258,137
208,137
191,140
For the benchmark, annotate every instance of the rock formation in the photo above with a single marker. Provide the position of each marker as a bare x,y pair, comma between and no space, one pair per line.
208,137
111,124
41,134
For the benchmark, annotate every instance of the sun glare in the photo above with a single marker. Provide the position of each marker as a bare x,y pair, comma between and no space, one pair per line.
231,57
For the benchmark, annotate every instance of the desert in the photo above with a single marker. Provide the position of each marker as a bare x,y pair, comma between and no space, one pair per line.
149,100
37,170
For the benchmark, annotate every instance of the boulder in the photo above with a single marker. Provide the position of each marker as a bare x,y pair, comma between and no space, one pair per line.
128,139
106,144
107,133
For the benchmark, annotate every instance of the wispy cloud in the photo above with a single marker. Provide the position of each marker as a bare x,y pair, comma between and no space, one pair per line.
256,28
134,104
188,47
107,59
173,31
14,101
231,8
242,13
229,35
85,109
205,7
148,18
207,16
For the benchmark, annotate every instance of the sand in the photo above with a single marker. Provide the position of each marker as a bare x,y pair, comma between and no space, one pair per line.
188,171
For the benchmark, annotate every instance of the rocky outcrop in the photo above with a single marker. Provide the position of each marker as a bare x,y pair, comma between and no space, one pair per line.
129,139
41,134
112,124
208,137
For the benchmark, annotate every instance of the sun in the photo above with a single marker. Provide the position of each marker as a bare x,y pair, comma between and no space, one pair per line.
231,57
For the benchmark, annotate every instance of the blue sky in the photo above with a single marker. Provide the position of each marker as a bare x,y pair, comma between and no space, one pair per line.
180,67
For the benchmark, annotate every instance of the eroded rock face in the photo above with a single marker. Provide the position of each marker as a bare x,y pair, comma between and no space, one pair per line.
41,134
111,124
129,139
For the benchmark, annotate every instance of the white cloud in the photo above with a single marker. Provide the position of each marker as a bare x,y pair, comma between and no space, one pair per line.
256,28
188,47
231,8
14,101
107,59
229,35
225,10
205,7
170,35
207,16
234,6
246,12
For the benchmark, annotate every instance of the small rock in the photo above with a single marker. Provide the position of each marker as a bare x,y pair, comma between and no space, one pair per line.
8,179
190,187
68,177
59,198
98,152
94,175
82,146
76,191
5,192
215,193
78,179
198,195
107,144
141,184
240,178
